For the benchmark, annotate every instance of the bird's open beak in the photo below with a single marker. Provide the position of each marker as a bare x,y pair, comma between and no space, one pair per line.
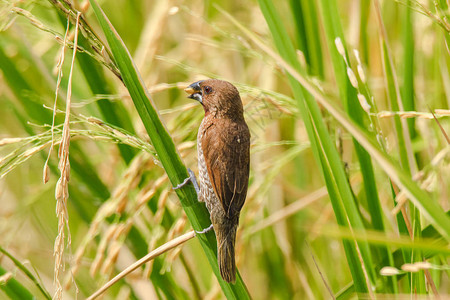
195,91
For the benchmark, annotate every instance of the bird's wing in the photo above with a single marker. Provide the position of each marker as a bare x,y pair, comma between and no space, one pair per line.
226,148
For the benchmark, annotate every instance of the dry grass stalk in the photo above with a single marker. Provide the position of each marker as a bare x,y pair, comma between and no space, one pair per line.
62,189
7,141
413,114
59,65
155,253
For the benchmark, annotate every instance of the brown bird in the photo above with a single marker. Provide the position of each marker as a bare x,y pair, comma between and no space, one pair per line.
223,145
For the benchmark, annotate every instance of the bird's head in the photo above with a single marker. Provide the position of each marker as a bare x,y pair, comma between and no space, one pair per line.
218,98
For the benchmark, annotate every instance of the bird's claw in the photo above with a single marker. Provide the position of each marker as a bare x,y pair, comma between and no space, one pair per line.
192,179
204,230
181,184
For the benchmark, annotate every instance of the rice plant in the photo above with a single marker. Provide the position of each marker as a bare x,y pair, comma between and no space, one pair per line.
348,108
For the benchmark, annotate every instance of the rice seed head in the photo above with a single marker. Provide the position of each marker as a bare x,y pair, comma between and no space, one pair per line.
339,46
59,190
6,141
46,173
358,58
352,78
110,260
423,265
361,73
363,102
389,271
96,265
417,266
442,111
410,268
385,114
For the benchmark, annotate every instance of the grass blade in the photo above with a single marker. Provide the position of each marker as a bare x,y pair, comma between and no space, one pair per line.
335,178
333,31
13,289
27,272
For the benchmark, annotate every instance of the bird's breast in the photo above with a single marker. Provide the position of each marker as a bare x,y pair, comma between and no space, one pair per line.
206,189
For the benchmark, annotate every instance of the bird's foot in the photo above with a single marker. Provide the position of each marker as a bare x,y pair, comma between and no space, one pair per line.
192,179
204,230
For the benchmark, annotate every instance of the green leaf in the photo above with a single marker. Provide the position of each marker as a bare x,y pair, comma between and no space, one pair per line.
14,289
27,273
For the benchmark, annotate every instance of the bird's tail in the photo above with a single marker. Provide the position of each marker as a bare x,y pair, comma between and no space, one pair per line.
226,237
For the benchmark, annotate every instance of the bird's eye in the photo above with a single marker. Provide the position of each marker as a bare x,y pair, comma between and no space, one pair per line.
208,89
